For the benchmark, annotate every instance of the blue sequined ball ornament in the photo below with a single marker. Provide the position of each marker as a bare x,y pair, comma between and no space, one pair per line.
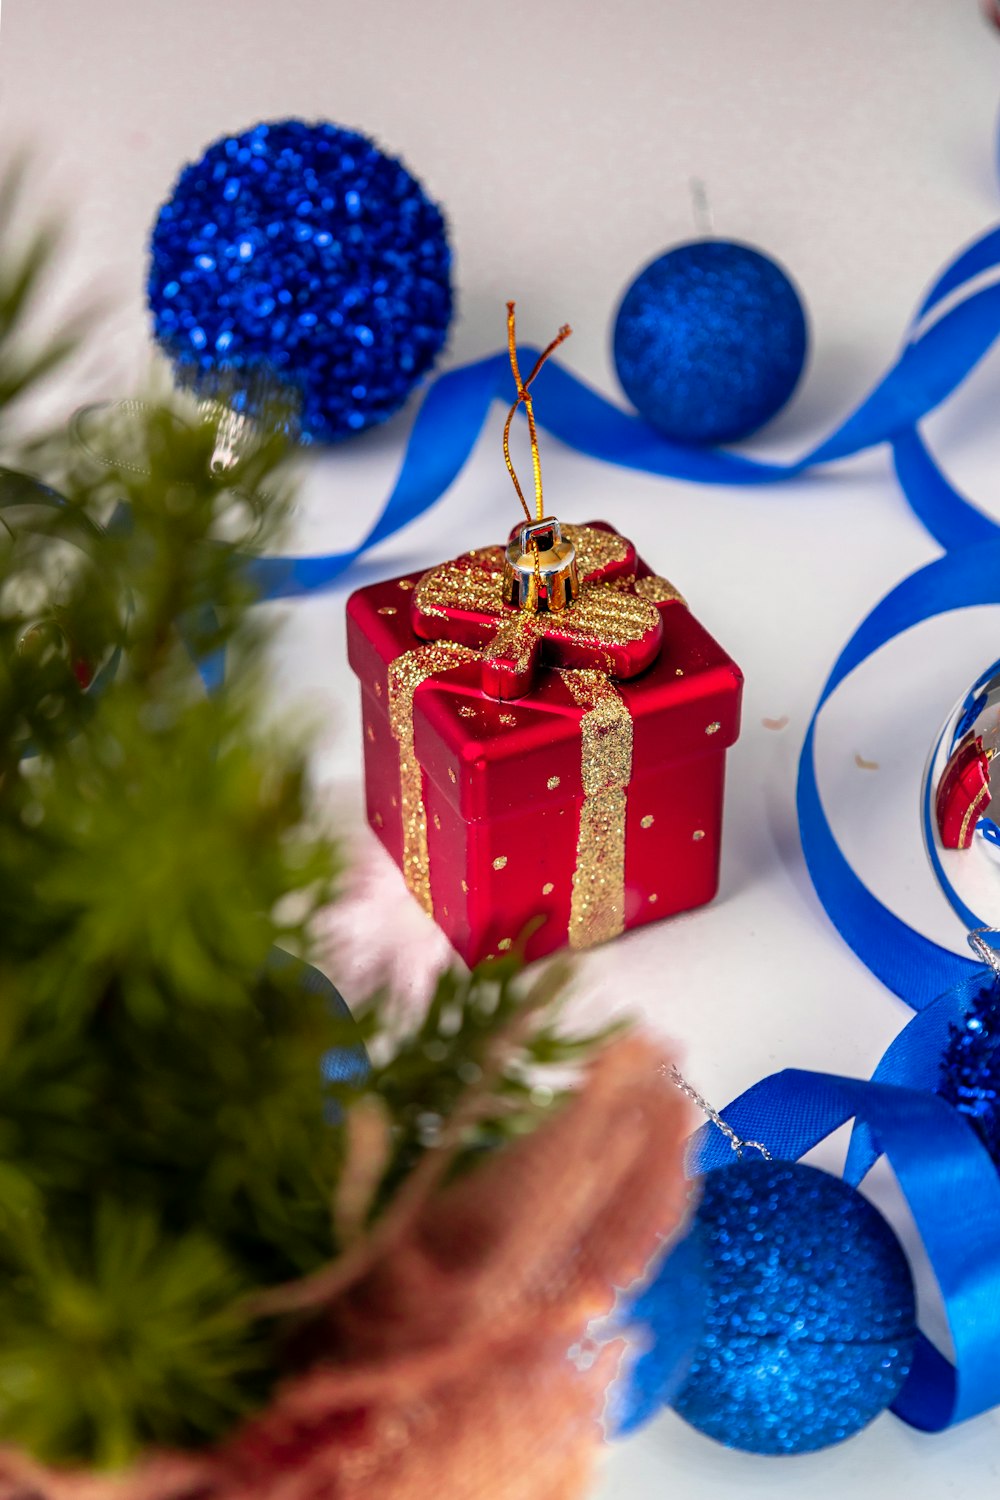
970,1067
303,252
709,341
810,1319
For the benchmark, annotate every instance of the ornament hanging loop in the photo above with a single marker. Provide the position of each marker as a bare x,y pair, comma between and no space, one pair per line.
738,1146
742,1147
982,949
701,209
524,399
540,573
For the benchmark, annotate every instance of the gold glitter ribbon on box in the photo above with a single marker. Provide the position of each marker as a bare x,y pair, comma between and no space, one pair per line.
597,909
406,674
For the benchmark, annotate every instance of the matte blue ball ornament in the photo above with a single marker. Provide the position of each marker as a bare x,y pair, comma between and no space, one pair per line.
709,341
303,253
810,1318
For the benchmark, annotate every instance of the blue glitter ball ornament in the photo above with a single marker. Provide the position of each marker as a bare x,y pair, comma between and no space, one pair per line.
709,341
303,252
810,1319
970,1067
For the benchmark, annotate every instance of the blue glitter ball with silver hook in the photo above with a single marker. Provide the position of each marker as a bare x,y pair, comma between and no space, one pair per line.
709,341
810,1317
302,253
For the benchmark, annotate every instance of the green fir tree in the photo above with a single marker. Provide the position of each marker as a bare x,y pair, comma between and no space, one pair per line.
170,1149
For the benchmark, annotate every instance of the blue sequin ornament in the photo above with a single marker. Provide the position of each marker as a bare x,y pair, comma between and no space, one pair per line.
970,1067
709,341
303,252
810,1318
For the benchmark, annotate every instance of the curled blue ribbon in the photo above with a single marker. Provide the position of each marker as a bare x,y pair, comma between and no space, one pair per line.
909,964
949,1179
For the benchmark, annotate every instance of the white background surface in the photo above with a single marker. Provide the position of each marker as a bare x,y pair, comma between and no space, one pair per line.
853,139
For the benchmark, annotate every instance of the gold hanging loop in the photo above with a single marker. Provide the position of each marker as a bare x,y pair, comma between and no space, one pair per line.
524,399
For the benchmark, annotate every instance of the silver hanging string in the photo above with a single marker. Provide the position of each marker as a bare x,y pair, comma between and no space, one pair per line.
977,942
738,1145
982,949
235,434
701,209
128,408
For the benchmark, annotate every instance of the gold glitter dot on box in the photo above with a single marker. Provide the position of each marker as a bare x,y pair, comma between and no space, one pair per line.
504,944
552,783
647,821
370,734
548,888
508,718
388,609
467,711
451,776
465,887
377,820
378,690
500,862
713,728
406,584
653,899
437,822
698,834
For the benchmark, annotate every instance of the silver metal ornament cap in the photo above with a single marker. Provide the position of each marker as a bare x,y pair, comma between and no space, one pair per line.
539,572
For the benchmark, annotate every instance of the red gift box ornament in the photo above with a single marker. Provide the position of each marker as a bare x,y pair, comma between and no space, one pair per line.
964,792
545,732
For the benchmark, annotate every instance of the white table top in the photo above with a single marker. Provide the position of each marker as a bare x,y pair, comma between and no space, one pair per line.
856,142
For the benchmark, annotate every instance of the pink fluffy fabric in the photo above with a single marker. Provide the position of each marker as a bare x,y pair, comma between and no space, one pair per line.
450,1363
376,935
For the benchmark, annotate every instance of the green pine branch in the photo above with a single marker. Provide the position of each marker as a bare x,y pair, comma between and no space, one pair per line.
170,1151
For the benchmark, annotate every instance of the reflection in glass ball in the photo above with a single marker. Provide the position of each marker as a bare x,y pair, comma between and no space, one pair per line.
961,803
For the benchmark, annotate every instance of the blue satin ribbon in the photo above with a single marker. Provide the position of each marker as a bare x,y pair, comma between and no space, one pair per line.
936,357
948,1177
952,519
913,967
